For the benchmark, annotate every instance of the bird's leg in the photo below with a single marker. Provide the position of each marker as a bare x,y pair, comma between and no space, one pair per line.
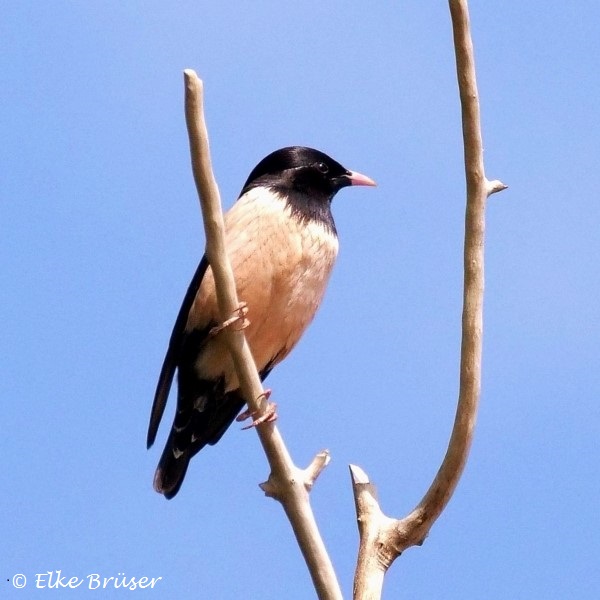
239,314
269,415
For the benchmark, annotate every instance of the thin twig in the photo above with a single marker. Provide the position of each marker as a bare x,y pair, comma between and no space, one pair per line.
287,483
383,539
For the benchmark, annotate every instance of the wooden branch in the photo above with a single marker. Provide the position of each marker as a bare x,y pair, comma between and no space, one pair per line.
287,483
383,539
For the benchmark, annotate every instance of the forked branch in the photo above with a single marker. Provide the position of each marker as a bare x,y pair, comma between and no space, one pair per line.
383,539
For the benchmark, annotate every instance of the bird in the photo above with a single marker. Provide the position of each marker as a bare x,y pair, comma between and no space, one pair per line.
282,243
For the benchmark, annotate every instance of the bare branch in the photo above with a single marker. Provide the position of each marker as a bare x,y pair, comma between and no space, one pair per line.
371,522
319,462
382,539
495,186
287,483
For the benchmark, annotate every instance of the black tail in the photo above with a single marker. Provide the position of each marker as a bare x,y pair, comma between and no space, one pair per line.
192,430
171,469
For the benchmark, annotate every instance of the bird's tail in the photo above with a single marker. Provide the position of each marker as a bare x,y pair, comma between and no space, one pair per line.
171,469
191,431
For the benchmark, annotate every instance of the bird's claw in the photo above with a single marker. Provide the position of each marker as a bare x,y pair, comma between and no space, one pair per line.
269,414
239,314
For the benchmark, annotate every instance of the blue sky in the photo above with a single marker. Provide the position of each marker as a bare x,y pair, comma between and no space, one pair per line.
100,234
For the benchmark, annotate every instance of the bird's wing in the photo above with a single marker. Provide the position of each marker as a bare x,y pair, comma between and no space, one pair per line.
175,343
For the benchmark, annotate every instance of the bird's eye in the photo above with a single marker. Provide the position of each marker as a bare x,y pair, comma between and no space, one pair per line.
322,167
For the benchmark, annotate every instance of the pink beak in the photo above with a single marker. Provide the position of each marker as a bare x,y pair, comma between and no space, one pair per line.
359,179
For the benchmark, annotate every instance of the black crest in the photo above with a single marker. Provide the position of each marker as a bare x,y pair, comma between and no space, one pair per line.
308,179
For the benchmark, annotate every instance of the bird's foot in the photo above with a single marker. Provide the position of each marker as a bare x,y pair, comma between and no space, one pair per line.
268,416
239,316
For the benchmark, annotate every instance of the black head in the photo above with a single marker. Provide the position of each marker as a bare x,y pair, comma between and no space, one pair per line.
307,178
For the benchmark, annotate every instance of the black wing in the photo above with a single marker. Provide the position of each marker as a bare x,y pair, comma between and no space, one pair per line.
175,344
